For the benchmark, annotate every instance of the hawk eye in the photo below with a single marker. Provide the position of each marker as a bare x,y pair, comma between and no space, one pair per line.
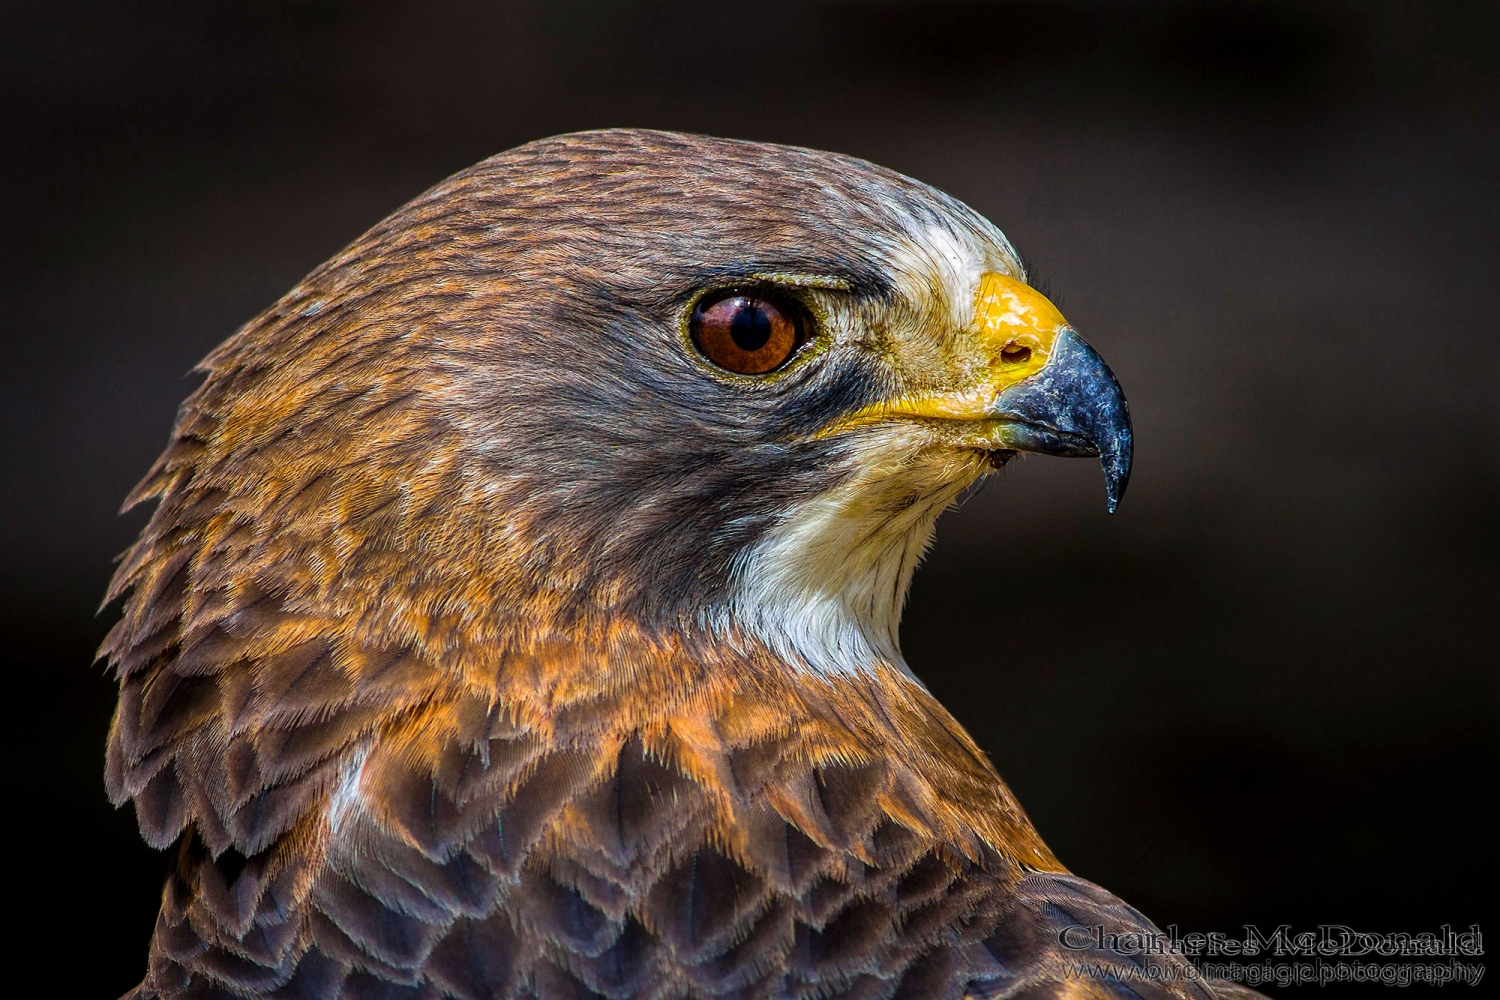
749,333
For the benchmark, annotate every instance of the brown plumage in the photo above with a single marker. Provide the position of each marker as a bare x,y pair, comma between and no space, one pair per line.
487,641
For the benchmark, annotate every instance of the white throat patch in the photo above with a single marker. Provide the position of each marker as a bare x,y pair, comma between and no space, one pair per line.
825,587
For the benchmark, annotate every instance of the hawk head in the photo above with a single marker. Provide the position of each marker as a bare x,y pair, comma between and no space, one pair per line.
702,385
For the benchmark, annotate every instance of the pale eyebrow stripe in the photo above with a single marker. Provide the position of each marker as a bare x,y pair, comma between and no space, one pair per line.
825,281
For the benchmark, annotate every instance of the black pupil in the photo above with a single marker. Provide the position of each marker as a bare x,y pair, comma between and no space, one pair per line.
750,327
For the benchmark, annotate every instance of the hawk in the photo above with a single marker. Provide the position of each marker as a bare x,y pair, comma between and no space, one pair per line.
518,616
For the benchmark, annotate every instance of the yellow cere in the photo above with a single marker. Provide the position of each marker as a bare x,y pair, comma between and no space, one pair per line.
1011,315
1009,341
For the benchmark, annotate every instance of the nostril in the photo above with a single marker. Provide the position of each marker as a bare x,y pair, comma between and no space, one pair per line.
1014,354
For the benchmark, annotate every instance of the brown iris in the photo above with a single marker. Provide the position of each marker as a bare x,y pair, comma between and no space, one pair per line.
747,332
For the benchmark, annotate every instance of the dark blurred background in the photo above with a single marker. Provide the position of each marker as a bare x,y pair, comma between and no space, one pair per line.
1264,692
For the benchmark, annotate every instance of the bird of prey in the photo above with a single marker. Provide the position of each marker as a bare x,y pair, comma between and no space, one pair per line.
518,616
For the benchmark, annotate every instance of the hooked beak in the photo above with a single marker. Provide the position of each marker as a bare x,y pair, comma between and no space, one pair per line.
1073,407
1024,381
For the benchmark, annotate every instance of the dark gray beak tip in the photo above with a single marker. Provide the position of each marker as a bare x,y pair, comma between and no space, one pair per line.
1117,472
